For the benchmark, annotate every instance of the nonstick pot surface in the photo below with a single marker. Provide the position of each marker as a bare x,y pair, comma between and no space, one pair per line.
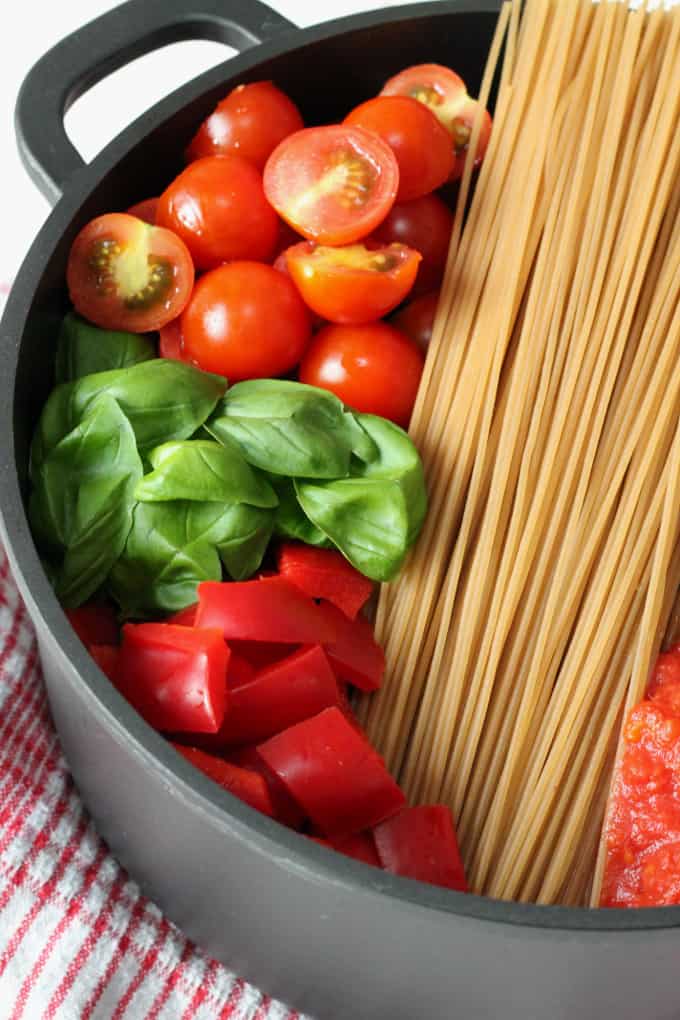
232,878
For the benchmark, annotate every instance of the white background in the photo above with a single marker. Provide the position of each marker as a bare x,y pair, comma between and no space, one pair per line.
32,27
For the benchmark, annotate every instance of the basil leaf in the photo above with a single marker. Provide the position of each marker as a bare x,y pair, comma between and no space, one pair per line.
398,460
363,446
366,520
374,517
162,399
203,471
81,504
174,546
83,349
285,428
290,520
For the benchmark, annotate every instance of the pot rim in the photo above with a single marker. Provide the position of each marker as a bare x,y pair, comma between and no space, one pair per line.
222,810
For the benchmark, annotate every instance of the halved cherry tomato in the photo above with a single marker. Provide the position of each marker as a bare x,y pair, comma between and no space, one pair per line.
145,210
170,342
373,368
420,143
287,237
217,206
416,319
245,320
332,184
245,784
333,773
444,92
176,677
424,224
352,284
124,274
250,121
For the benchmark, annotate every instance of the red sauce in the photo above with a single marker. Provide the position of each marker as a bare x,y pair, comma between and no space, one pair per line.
643,824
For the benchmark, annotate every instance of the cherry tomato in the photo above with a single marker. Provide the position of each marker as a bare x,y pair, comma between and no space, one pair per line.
420,143
170,342
416,319
217,206
372,368
245,320
124,274
280,264
287,237
250,121
444,92
424,224
332,184
145,210
352,284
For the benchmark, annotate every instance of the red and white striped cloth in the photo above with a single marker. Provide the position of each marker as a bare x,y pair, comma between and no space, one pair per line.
77,939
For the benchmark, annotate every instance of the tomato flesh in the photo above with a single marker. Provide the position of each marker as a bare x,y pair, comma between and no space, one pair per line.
425,224
126,275
444,93
332,184
217,206
335,775
421,145
352,284
245,320
250,121
373,368
642,828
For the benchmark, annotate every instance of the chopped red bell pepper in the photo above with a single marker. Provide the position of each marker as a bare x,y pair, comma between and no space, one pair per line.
285,693
271,609
184,617
261,653
360,846
95,624
174,676
420,842
239,672
106,657
333,773
247,785
325,574
286,810
354,653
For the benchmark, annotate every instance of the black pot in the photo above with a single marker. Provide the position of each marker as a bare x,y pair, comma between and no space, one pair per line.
331,936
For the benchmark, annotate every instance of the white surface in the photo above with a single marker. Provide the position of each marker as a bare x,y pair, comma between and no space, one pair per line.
33,27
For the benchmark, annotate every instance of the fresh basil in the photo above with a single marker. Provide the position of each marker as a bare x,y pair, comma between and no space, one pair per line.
83,349
374,517
162,400
290,520
203,471
174,546
81,504
286,428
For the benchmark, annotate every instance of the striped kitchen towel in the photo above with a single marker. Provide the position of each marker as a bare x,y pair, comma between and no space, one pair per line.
77,939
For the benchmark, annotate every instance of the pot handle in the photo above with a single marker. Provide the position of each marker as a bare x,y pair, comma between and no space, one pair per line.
89,54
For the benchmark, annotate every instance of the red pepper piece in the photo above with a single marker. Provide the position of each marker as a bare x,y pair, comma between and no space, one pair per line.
333,773
360,846
248,786
354,654
325,574
240,671
261,653
286,810
420,842
174,676
271,609
106,657
95,624
184,617
297,687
